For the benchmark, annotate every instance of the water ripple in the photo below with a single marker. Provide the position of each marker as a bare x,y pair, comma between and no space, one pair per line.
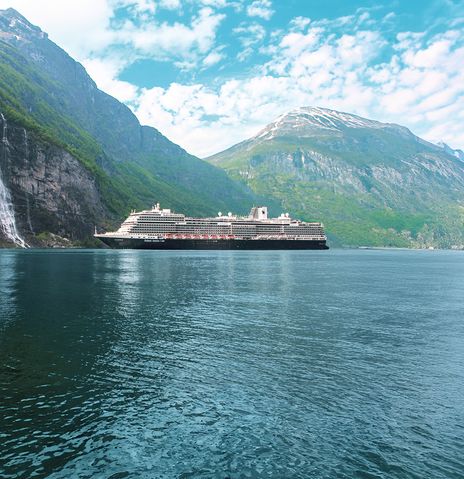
126,364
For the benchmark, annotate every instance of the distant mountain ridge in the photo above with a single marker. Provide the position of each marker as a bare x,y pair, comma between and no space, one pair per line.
372,183
451,151
49,97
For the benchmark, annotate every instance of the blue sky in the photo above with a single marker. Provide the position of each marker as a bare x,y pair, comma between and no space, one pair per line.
210,73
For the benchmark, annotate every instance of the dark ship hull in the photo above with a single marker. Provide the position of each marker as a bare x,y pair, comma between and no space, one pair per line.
213,244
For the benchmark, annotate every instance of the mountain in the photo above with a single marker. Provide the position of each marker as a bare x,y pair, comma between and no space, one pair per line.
73,157
371,183
457,153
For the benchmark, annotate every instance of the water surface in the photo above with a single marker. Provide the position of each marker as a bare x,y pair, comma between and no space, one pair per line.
133,364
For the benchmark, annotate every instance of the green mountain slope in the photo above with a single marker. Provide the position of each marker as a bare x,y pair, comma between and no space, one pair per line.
49,95
370,183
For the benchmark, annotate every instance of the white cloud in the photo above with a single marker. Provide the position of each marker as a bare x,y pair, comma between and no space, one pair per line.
183,43
429,56
170,4
260,8
249,36
212,58
299,23
296,43
215,3
139,6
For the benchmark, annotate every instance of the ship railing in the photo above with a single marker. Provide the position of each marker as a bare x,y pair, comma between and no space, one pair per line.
289,237
198,236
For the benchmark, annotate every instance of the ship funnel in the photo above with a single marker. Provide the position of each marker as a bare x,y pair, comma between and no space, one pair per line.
259,212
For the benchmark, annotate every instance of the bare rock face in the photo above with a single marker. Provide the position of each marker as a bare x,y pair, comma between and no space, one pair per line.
50,189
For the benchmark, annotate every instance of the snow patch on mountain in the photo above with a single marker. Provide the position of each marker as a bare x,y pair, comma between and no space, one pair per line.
459,154
309,119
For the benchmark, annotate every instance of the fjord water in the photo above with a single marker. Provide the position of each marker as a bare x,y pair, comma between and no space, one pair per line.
132,364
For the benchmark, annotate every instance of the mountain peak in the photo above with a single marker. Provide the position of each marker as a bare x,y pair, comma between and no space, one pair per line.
332,119
451,151
11,12
12,23
308,121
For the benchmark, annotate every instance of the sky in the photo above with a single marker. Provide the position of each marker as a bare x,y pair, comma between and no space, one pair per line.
211,73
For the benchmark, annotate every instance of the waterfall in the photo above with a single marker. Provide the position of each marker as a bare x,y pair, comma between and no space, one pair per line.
26,144
7,218
28,207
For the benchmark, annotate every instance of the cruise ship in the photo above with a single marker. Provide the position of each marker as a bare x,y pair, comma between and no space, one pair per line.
159,228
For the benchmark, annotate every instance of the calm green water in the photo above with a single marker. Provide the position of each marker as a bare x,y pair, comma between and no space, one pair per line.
129,364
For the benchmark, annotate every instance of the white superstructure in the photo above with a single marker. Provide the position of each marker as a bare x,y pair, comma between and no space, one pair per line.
163,223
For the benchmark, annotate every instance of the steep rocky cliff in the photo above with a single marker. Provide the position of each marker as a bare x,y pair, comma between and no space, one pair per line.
371,183
43,188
